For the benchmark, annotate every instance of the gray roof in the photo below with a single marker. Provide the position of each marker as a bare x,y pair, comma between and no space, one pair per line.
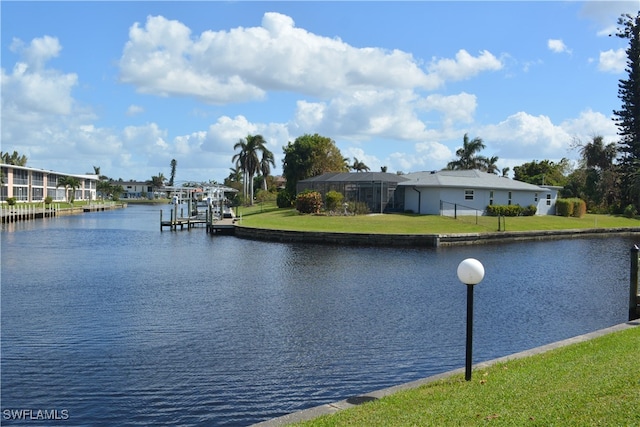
356,177
467,179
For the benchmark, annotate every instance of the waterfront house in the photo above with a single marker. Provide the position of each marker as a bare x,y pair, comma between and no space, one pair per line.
137,190
26,184
376,189
469,192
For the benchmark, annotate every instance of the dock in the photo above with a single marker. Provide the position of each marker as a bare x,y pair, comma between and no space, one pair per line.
213,224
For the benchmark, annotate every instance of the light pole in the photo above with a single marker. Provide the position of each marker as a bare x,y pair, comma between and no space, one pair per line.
470,272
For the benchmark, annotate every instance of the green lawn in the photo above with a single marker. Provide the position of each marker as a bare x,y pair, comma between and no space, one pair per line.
267,216
593,383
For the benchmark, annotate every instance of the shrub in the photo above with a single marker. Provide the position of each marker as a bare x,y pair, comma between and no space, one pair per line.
630,211
529,210
309,202
48,200
11,201
504,210
358,208
334,200
571,207
284,199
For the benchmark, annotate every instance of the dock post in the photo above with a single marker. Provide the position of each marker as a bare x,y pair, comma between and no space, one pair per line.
160,219
634,299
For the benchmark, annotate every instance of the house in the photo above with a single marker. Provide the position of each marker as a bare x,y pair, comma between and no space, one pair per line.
469,192
26,184
376,189
136,190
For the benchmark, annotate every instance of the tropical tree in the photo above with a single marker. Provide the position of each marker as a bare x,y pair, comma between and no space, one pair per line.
69,183
628,117
174,164
247,158
468,157
13,159
308,156
383,168
266,162
359,166
597,181
545,172
157,182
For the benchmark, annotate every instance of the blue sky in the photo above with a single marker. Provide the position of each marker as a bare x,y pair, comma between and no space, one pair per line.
128,86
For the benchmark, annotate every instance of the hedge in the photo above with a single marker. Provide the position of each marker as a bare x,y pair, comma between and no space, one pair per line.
571,207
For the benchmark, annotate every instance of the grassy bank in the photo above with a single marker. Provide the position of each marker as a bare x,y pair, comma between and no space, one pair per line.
596,382
267,216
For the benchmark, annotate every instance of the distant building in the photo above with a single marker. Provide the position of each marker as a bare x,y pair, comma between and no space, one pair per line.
468,192
32,185
137,190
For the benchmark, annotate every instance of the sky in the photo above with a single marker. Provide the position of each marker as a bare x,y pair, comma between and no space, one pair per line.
128,86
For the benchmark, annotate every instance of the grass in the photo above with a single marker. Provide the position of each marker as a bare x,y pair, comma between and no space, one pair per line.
270,217
593,383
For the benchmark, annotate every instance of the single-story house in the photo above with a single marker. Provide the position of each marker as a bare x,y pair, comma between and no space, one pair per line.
469,192
376,189
26,184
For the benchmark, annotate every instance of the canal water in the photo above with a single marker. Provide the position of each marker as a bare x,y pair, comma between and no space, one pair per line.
109,321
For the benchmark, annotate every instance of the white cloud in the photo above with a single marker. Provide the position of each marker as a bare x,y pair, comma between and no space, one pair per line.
464,66
163,58
557,46
613,61
134,110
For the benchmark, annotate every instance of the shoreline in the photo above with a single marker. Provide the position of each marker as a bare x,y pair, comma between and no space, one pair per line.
422,240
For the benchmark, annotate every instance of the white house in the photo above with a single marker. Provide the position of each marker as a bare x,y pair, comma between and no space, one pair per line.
468,192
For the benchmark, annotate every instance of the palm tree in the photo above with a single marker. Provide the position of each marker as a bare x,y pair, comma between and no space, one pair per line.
359,166
265,165
490,164
157,182
247,159
69,182
467,155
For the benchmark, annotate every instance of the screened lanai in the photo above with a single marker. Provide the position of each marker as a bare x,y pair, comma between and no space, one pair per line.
376,189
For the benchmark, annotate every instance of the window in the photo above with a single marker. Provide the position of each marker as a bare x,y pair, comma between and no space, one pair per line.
548,199
468,194
509,202
535,197
491,198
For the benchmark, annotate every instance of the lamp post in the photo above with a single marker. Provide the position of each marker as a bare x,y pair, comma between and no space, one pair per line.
470,272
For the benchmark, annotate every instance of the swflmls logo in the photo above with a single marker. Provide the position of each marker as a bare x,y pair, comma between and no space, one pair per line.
35,414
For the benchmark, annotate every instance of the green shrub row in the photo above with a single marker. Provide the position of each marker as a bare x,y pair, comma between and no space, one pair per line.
511,210
571,207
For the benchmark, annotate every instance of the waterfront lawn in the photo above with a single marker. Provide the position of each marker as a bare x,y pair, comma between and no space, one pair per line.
289,219
596,382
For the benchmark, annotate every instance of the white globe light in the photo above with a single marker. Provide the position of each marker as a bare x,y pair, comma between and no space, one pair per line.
470,271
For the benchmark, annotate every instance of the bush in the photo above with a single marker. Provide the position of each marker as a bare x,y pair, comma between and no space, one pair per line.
358,208
11,201
284,199
630,211
309,202
504,210
334,200
571,207
48,200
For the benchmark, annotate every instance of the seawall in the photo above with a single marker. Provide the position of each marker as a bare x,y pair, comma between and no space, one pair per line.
422,240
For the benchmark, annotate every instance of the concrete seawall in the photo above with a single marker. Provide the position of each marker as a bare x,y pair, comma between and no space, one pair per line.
422,240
